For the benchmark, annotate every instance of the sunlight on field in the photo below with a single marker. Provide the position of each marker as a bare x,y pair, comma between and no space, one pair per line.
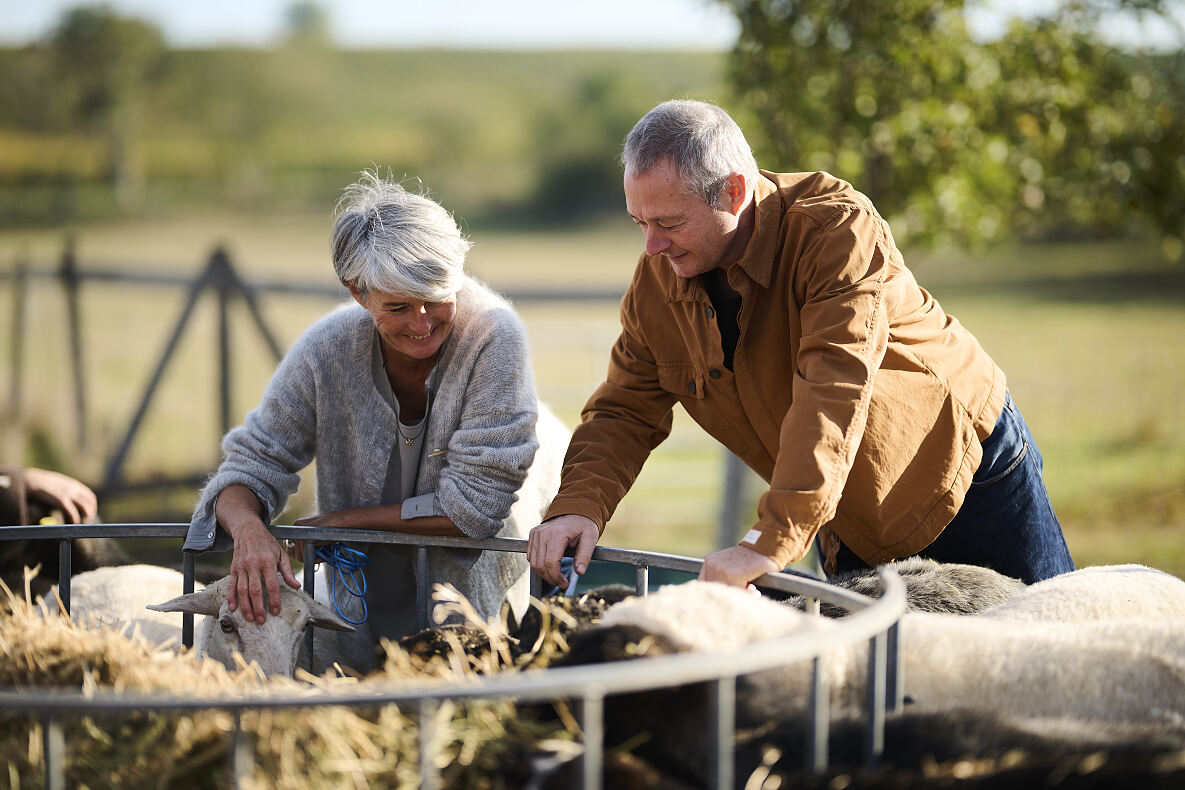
1092,338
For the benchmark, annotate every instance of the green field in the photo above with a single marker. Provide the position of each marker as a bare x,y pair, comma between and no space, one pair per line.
1090,335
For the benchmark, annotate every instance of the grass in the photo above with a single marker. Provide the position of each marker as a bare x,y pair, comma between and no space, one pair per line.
1090,336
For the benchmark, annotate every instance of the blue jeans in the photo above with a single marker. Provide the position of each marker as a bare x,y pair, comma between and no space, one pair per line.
1006,522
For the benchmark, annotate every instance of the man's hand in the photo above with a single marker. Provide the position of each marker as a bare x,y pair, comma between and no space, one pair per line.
736,566
77,502
547,543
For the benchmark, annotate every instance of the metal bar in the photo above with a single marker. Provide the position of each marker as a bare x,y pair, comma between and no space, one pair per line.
724,711
53,744
818,733
812,605
65,572
70,283
429,773
783,582
242,754
422,601
642,580
895,670
310,586
874,738
592,722
187,585
536,585
116,464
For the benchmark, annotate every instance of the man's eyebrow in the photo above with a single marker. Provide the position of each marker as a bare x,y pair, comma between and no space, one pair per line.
674,218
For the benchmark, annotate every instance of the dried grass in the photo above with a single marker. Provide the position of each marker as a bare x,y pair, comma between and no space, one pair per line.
478,745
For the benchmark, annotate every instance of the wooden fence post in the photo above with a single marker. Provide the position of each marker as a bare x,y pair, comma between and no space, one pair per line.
70,286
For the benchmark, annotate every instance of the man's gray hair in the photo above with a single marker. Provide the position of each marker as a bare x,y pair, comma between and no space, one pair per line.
703,141
388,239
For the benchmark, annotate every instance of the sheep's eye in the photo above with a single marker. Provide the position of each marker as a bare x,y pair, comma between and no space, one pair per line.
227,625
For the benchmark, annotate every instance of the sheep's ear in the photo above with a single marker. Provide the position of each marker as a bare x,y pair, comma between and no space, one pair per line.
206,601
323,616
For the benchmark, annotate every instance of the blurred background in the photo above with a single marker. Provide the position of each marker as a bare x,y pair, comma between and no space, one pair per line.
168,173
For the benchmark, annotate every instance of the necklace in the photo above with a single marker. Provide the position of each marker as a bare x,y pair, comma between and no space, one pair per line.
409,440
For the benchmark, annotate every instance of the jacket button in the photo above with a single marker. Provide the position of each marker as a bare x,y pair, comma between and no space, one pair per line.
711,312
714,373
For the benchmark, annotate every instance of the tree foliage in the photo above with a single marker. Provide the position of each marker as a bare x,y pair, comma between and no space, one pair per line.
1047,130
103,64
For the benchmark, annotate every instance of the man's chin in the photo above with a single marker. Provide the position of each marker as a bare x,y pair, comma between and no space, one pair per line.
683,266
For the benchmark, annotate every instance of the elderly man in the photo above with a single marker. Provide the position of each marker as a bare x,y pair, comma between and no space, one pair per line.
777,310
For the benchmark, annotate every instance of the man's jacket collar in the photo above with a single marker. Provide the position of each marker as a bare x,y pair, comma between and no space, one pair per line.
757,261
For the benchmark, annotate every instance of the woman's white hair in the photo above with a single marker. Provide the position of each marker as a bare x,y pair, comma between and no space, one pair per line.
703,142
388,239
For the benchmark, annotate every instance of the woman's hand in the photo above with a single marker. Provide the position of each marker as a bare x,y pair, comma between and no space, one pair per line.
257,555
78,504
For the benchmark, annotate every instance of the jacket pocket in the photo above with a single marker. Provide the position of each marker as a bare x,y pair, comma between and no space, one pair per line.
681,379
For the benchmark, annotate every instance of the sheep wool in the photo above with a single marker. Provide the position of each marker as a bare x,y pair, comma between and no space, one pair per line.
1097,593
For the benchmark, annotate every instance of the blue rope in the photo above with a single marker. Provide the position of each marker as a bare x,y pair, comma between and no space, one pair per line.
347,564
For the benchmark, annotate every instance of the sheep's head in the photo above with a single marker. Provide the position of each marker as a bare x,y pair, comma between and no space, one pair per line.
274,644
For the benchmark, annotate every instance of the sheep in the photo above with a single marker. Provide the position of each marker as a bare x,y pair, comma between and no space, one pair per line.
1097,683
275,644
115,597
1096,593
929,587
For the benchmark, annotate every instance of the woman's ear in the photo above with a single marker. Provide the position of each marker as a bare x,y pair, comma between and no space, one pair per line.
357,294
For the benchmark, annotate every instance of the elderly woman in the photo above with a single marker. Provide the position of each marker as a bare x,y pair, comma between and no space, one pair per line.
418,405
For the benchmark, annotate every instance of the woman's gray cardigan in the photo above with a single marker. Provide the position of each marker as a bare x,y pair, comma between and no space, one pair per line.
479,441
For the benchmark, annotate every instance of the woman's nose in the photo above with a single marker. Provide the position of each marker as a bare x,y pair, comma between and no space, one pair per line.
419,316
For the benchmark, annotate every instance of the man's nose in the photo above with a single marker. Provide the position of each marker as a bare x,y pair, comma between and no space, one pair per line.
657,240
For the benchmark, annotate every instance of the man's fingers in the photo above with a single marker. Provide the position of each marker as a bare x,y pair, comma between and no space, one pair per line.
584,551
232,594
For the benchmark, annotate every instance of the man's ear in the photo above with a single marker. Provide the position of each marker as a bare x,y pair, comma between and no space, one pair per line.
735,190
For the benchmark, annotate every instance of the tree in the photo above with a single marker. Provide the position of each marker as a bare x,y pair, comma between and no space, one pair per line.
1043,131
104,63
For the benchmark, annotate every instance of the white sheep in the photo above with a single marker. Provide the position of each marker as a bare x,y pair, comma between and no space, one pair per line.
974,684
1097,593
117,597
1122,669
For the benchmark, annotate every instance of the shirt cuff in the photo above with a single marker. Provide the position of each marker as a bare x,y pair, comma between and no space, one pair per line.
420,506
775,544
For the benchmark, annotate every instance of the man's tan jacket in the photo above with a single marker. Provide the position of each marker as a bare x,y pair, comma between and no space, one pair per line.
852,392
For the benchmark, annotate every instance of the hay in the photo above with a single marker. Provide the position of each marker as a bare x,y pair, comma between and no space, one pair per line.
479,745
